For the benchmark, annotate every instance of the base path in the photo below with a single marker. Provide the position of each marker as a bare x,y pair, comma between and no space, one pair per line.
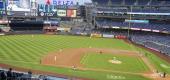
72,57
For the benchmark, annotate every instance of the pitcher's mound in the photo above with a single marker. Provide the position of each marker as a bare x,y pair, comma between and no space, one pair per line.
115,61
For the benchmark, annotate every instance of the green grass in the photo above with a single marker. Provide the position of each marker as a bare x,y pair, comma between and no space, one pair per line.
26,51
100,61
26,48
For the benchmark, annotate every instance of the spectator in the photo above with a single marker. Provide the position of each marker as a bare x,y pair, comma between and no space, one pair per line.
3,75
10,74
29,75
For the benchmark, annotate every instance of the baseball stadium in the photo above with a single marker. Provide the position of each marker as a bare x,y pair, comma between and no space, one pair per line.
84,39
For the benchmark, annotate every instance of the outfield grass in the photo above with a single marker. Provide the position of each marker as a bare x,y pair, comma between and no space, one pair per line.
31,49
100,61
26,51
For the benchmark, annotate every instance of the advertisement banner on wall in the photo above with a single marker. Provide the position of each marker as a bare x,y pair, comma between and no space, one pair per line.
64,2
47,14
96,35
61,13
108,36
71,13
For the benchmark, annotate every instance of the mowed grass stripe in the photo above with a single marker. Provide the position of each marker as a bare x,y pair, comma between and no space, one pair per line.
38,50
34,46
57,42
32,50
49,45
7,51
40,47
23,48
3,53
16,49
54,43
10,53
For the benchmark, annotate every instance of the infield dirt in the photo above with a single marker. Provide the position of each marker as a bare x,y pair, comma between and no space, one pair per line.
72,57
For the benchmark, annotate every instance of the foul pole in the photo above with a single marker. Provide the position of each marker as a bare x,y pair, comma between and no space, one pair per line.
130,18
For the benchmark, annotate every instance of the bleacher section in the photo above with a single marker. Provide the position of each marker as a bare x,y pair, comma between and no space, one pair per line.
17,75
143,2
141,10
134,2
130,2
159,43
152,26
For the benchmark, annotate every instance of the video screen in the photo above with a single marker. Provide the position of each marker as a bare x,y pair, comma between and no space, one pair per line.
71,13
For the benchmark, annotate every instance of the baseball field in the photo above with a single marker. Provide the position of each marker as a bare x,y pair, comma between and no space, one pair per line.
91,58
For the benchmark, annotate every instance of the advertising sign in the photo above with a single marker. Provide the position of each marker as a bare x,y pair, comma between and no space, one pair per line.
71,13
64,2
137,21
108,36
46,10
47,14
61,13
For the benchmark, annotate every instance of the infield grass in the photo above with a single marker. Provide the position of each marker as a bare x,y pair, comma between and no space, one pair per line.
101,61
